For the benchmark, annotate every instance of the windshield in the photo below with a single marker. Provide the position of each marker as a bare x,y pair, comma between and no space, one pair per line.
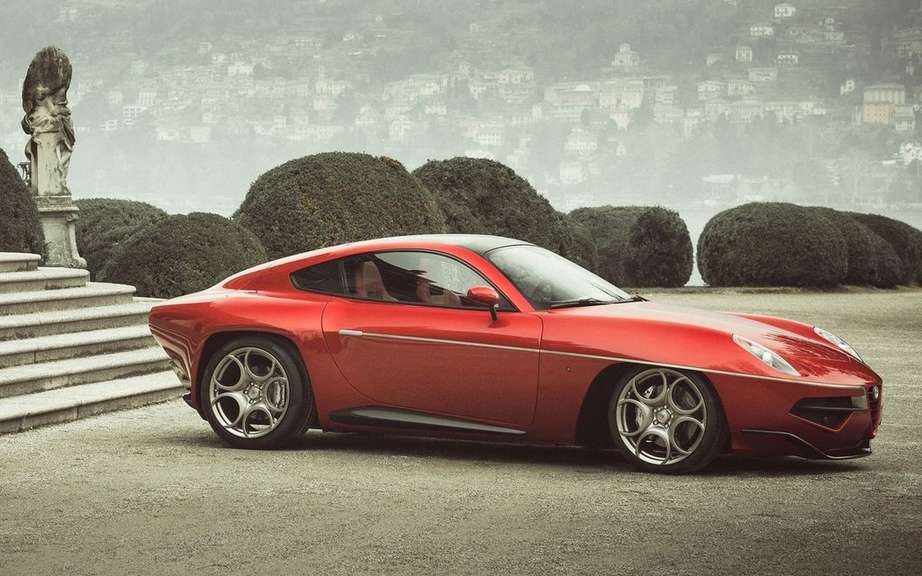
548,280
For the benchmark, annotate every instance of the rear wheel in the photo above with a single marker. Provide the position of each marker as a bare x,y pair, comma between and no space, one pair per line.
666,420
256,393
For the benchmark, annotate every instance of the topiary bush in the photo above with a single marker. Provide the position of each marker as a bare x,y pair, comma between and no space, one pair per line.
20,227
888,269
105,223
772,244
905,239
862,254
638,245
180,254
576,243
480,196
333,198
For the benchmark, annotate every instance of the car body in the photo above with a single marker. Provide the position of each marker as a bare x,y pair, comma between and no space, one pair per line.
456,364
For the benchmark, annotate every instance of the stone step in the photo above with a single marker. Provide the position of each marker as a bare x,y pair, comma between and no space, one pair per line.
68,404
74,345
76,320
42,279
18,262
93,294
19,380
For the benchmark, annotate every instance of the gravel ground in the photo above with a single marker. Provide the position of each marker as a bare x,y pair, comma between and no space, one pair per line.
152,491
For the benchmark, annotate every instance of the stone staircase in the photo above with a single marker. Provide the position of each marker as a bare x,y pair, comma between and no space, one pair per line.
70,348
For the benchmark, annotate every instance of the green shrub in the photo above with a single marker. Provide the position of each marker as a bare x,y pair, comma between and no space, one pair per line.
862,255
772,244
480,196
105,223
483,196
336,197
576,243
20,227
905,239
638,245
181,254
888,269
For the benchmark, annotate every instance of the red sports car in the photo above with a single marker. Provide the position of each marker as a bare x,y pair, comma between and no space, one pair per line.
491,338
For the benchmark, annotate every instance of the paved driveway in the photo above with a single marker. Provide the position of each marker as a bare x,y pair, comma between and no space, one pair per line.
151,491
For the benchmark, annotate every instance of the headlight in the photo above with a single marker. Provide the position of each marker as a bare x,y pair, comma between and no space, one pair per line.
837,342
768,357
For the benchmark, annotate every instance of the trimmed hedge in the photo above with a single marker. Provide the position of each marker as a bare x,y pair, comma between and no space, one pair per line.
180,254
20,227
862,250
105,223
639,246
480,196
576,243
772,244
905,239
888,268
333,198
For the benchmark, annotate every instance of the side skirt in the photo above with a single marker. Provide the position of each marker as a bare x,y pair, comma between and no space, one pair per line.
400,418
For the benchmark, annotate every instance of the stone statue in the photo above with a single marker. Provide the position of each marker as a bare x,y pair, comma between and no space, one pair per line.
47,122
51,143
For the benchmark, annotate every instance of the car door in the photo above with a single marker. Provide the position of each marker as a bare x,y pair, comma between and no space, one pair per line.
408,337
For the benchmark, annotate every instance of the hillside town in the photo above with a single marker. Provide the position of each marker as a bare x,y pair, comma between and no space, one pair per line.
802,101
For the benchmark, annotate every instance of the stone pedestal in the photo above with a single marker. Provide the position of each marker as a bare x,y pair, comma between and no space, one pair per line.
59,219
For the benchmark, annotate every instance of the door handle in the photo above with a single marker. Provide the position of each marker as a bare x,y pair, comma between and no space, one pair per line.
356,333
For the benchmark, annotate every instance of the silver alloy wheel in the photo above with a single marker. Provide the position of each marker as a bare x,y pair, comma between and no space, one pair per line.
249,392
661,416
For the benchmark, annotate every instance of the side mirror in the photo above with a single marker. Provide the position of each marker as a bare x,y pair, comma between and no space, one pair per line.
487,296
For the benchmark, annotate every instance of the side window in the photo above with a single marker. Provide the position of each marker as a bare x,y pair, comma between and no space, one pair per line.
413,277
326,277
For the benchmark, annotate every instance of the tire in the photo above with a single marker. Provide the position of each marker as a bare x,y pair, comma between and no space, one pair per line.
666,420
265,407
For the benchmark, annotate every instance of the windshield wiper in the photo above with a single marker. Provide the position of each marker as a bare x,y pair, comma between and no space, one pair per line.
580,302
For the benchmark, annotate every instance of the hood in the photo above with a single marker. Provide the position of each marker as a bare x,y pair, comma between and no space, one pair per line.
687,336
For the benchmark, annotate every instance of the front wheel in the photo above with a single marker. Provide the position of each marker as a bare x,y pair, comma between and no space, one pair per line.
666,420
256,393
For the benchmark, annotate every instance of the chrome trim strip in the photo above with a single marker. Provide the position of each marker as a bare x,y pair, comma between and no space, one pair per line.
851,387
855,387
443,341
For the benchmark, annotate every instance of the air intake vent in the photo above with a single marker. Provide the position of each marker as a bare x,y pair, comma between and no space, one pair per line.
829,412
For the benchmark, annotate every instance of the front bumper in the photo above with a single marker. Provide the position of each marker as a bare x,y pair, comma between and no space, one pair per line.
808,450
799,418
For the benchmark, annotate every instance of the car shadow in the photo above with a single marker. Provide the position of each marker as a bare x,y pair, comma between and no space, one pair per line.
581,460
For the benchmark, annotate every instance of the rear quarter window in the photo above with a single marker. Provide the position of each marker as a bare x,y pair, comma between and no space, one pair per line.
326,277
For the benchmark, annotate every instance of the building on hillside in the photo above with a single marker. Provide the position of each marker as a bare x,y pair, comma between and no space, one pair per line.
904,119
880,102
788,58
847,87
740,87
745,111
763,74
581,142
762,30
568,101
744,54
710,89
785,11
625,58
621,95
667,94
905,42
